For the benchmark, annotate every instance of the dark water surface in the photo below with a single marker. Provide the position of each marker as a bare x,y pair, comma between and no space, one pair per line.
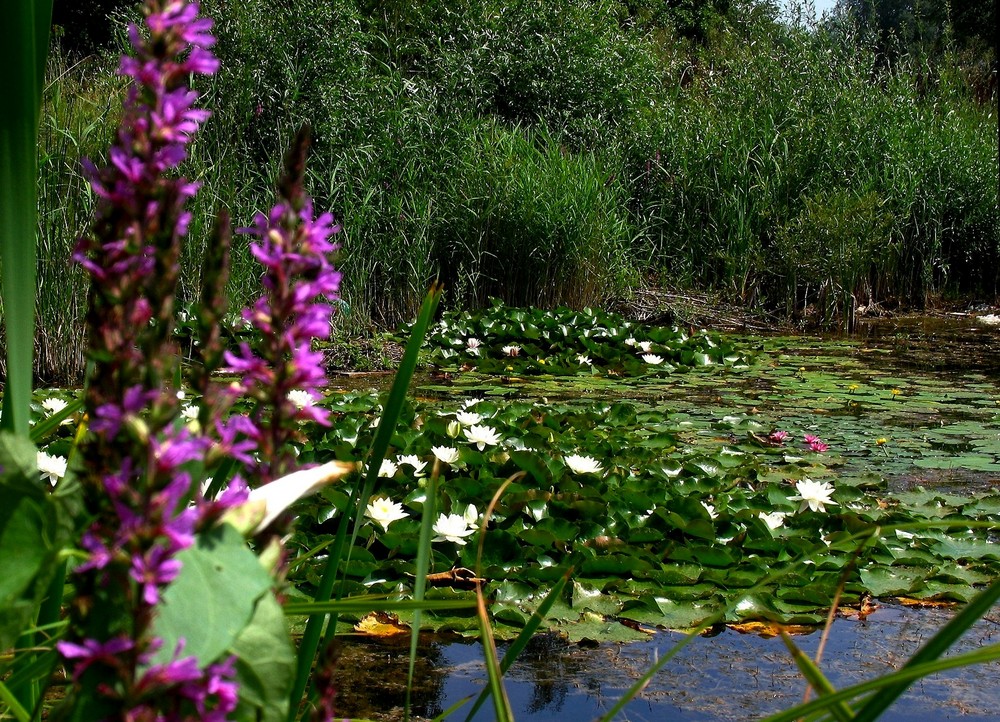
728,677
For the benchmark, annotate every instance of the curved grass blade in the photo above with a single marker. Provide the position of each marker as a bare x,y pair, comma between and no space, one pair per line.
862,537
39,668
935,647
906,675
522,639
314,627
454,708
816,678
48,425
360,605
13,705
537,617
501,703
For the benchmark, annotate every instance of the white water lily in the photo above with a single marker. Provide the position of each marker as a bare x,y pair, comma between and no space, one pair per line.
584,360
652,358
445,454
51,467
301,399
472,346
512,350
453,528
482,436
646,346
414,461
813,494
630,341
384,511
468,418
471,514
773,520
189,413
583,464
387,468
53,405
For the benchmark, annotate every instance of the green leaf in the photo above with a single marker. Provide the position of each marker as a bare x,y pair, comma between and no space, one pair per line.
219,586
891,581
265,664
33,531
22,53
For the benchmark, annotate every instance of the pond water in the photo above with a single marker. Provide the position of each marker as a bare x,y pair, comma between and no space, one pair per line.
727,677
914,401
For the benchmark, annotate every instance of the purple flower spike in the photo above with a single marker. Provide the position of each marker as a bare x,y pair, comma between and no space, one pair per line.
299,283
154,570
91,651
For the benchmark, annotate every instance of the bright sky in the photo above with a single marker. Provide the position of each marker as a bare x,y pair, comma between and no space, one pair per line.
823,6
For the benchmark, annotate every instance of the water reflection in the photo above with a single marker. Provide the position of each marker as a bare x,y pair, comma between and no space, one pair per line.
726,678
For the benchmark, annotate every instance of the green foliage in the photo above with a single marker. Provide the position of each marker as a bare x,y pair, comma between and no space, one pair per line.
34,528
220,584
670,530
558,153
728,168
839,247
78,112
83,27
265,663
926,29
508,340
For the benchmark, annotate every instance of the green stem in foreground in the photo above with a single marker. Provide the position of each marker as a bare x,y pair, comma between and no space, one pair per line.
314,627
22,55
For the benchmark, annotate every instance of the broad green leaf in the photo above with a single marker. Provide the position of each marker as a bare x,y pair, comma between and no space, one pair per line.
219,586
33,530
265,664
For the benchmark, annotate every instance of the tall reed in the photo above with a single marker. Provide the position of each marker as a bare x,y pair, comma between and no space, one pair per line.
562,156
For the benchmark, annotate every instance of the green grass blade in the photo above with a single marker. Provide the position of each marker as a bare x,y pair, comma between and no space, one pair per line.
47,426
501,704
38,668
522,639
22,54
314,627
13,705
422,568
816,678
935,647
454,708
360,605
906,675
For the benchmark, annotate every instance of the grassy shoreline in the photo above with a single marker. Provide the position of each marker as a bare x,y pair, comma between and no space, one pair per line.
577,159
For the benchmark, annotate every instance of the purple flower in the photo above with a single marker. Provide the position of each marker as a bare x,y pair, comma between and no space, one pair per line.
153,570
299,283
100,555
175,672
215,694
91,651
